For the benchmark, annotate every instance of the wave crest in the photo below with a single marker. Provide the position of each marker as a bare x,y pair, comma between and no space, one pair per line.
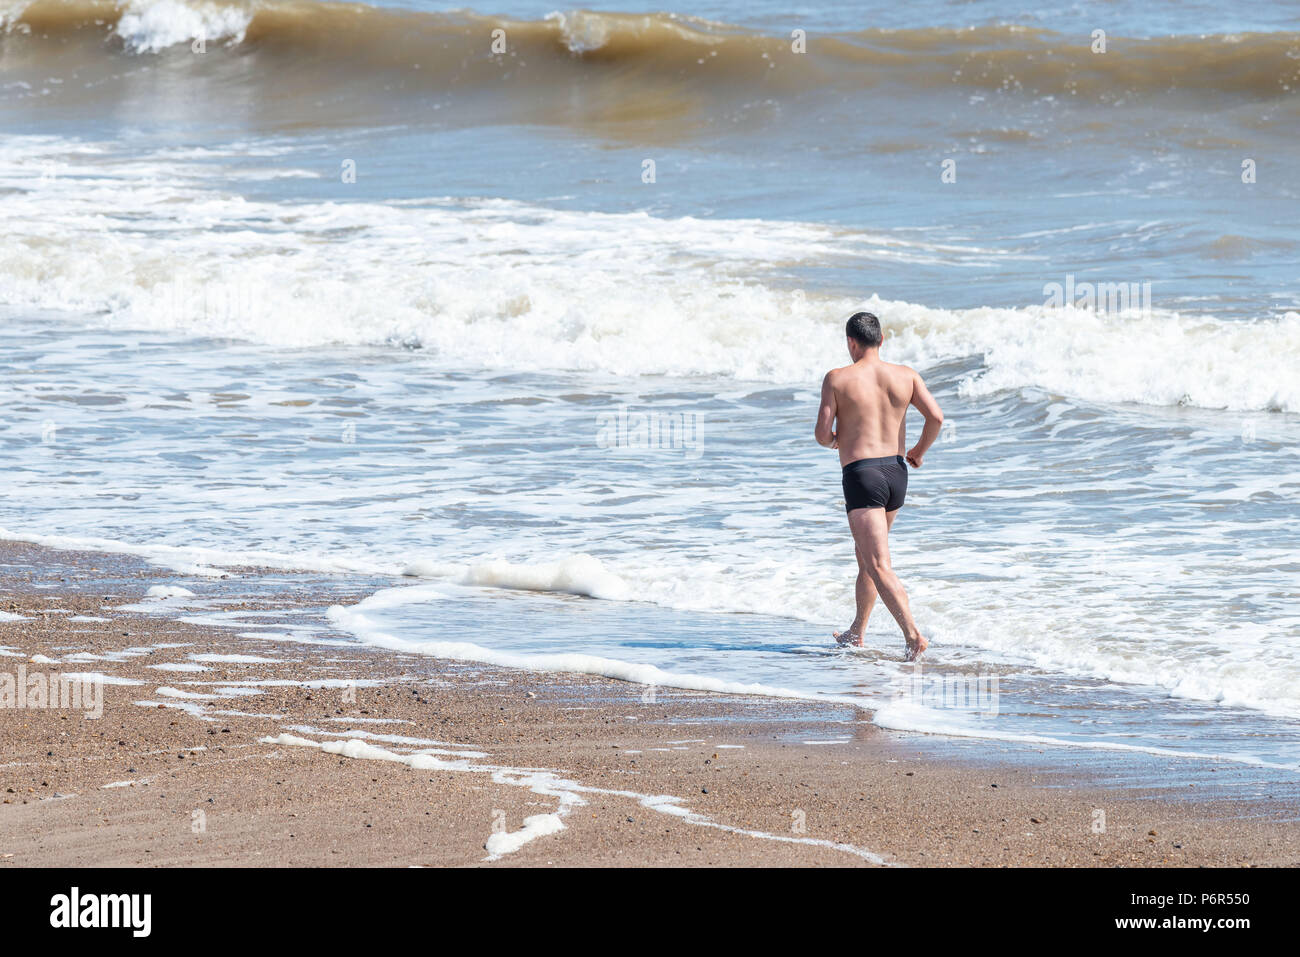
495,283
672,53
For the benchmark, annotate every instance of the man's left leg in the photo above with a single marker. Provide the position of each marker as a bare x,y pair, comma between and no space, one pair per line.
864,593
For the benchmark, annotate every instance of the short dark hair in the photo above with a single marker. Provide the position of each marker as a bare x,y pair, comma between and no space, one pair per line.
864,329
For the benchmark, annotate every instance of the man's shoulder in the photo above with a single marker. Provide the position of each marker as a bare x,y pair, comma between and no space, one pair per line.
836,374
900,370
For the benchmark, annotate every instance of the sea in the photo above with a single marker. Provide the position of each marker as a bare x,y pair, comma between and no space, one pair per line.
521,314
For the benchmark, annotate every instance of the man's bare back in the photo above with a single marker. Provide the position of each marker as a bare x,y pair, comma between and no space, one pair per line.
863,415
870,399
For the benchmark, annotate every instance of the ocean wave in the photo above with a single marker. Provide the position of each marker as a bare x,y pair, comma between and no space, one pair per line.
1229,663
501,284
675,56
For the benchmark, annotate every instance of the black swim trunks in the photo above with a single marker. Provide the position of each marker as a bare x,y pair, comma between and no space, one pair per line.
875,483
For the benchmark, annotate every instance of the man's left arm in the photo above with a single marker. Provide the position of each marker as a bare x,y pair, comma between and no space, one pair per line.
825,431
925,404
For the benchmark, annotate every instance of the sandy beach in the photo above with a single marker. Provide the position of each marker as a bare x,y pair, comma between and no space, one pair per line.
449,436
429,762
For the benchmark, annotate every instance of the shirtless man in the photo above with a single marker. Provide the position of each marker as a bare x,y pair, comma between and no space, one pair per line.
864,415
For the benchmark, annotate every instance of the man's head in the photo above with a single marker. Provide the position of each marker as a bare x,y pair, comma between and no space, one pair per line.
863,331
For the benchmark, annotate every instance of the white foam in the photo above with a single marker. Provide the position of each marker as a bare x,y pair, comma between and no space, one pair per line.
521,286
101,678
193,708
168,591
536,825
177,693
148,26
567,793
574,575
583,31
908,716
427,745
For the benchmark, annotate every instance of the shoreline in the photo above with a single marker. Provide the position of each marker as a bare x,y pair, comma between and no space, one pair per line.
279,752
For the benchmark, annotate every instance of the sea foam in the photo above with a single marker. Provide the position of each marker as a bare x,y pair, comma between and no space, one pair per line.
521,286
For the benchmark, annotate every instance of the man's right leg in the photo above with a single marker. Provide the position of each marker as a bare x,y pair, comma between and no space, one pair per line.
864,593
870,528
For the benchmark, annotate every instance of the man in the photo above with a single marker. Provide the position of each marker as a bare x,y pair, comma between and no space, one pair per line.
864,415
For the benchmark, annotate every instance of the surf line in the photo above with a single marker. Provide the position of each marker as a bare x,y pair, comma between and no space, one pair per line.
567,793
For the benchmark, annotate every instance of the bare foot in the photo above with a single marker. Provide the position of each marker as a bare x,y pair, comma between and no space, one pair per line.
915,649
848,637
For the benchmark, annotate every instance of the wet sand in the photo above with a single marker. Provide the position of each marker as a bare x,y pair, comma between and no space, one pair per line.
180,773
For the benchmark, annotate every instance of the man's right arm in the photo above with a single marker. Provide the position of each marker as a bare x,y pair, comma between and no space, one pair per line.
925,404
825,430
